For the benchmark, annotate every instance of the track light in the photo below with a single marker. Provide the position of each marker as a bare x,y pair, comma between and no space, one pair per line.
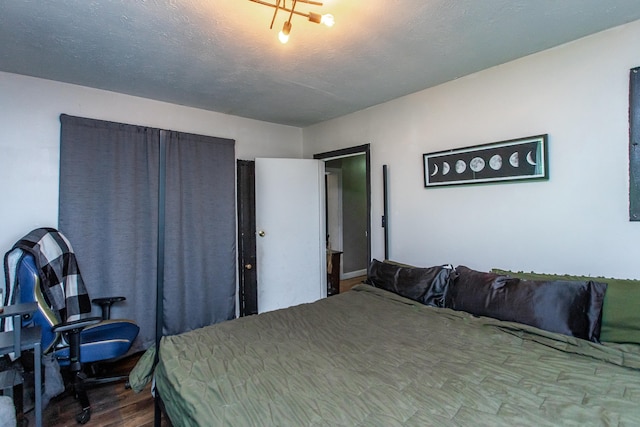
279,5
326,19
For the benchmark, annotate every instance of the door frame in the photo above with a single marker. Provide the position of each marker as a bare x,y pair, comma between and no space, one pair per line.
332,241
352,151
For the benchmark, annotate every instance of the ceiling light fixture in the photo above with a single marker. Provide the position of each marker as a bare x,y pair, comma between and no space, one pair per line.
279,5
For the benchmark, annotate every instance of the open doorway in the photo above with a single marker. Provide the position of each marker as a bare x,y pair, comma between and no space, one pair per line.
348,209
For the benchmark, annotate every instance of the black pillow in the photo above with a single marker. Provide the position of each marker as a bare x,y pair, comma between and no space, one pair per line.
568,307
425,285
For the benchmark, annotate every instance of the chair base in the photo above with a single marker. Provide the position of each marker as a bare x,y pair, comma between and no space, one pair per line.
79,385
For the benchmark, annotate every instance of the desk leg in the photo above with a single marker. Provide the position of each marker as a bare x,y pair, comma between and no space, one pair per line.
37,369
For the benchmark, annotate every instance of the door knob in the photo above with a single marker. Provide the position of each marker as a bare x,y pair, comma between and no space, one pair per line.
248,266
261,233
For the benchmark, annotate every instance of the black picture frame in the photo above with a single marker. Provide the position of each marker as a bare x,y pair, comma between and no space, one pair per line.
503,161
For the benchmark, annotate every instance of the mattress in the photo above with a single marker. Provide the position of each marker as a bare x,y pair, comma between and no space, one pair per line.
369,357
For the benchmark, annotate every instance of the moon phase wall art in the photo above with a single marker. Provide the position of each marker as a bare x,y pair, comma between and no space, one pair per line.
515,159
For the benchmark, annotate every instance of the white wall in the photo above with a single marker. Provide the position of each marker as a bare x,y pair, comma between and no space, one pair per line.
30,134
576,222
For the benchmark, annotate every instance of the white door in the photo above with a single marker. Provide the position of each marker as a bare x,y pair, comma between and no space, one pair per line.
290,241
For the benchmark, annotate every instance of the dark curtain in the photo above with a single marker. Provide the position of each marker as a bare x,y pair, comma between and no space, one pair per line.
199,273
108,208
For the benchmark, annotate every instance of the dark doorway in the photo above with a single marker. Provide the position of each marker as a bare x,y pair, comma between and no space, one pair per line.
349,204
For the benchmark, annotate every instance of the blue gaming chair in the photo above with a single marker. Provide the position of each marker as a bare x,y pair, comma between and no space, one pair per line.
77,343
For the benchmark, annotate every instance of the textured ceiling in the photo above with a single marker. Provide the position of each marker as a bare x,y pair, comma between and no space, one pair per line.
220,55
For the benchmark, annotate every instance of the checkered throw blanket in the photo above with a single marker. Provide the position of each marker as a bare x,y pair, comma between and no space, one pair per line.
61,280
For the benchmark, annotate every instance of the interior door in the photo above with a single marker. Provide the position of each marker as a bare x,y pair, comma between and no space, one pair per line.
290,227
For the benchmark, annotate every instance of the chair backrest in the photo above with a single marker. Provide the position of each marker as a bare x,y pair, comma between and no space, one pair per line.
28,290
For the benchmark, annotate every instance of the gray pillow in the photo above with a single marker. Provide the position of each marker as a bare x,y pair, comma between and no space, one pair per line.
567,307
425,285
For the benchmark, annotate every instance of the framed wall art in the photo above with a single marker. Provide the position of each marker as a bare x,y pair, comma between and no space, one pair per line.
515,159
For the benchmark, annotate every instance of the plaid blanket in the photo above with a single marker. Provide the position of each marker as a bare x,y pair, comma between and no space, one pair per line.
61,280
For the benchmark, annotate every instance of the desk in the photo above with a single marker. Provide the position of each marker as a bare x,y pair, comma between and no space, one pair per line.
23,339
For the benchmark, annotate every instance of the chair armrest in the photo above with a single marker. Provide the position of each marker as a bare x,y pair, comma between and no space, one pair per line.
105,305
76,325
73,329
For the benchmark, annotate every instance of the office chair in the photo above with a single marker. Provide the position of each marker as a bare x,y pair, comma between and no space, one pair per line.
78,343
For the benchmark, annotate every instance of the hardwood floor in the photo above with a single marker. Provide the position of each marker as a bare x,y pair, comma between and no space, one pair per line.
112,405
347,284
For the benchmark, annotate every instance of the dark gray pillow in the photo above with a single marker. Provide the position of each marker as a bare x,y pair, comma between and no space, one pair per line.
425,285
567,307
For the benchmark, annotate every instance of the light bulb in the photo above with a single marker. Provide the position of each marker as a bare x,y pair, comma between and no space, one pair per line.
283,36
328,20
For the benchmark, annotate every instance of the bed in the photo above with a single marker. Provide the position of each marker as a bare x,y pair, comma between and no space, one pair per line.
370,357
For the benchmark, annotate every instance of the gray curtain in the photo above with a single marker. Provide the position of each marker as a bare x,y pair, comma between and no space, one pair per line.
108,208
200,233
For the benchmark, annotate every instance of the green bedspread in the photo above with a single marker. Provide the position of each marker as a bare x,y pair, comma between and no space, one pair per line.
370,358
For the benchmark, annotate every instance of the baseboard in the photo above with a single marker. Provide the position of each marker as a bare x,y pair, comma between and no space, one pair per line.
352,274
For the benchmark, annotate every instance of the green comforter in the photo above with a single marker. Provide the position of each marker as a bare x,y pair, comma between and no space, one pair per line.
370,358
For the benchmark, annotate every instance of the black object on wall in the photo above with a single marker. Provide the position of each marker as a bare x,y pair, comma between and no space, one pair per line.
634,144
385,209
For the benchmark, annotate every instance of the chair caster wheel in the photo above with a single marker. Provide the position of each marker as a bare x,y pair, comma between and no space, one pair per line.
84,416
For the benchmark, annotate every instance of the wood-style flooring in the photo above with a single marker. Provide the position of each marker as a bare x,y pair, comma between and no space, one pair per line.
347,284
112,404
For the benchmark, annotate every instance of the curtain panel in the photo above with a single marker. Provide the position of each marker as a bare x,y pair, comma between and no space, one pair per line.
109,209
200,232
